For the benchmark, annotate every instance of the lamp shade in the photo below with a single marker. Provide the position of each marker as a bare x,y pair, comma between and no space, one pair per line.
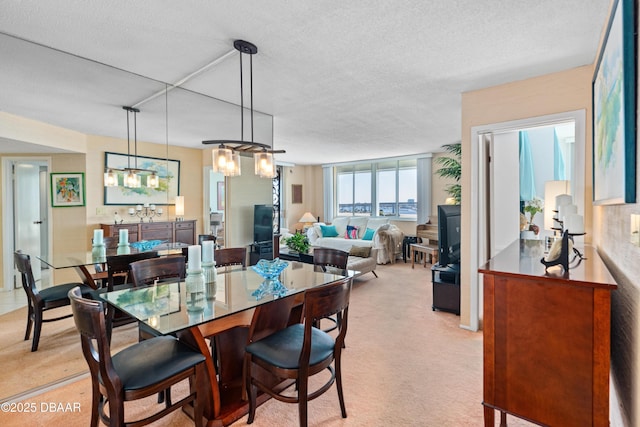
307,218
221,159
179,205
264,165
110,178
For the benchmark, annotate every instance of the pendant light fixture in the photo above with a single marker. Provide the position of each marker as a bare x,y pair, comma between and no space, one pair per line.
132,175
226,156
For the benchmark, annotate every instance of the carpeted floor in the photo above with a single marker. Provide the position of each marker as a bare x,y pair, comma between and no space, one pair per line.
404,365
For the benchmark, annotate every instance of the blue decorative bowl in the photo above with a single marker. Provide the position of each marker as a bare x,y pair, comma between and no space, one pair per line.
270,269
146,245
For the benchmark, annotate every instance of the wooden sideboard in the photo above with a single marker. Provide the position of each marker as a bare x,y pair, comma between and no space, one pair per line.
171,231
546,338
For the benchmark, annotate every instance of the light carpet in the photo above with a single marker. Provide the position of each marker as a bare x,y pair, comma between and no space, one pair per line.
404,365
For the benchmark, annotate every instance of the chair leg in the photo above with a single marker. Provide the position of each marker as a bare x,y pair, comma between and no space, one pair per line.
251,391
303,395
95,403
343,408
374,273
116,411
27,334
37,329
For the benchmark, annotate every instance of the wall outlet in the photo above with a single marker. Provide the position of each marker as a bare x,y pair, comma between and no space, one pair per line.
101,211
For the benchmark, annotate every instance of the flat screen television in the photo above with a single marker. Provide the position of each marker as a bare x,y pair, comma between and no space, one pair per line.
449,234
263,223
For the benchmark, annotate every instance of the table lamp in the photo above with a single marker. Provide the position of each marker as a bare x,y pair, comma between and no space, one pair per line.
308,220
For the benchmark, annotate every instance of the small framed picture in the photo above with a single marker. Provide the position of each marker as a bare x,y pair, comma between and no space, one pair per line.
67,189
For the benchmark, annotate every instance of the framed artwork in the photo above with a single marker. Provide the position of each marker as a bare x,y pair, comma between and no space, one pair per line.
67,189
296,193
168,172
614,110
220,195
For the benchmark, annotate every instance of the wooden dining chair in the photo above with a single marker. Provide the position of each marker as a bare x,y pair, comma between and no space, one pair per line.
138,371
300,351
118,272
147,271
41,300
231,256
328,257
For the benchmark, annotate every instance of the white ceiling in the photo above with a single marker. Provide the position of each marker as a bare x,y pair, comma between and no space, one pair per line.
343,80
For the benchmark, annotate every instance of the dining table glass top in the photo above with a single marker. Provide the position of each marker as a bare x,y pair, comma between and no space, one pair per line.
174,306
74,259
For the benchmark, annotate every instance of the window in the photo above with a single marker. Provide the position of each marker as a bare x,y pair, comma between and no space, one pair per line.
385,188
353,189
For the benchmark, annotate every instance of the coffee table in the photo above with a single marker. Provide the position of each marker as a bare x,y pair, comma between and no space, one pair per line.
287,255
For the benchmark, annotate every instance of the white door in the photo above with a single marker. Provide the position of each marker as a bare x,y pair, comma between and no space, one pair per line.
30,211
504,176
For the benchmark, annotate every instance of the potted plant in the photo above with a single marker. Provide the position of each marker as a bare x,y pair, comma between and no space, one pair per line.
532,207
452,168
298,243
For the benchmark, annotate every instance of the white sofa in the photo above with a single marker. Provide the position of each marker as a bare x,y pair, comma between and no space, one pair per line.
317,239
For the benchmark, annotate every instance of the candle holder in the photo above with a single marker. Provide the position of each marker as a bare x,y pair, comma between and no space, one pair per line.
562,259
194,284
145,212
98,253
210,279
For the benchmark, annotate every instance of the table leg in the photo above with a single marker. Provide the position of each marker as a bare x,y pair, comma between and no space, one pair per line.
412,254
489,417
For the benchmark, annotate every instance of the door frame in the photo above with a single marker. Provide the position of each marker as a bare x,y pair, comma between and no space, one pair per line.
479,203
7,216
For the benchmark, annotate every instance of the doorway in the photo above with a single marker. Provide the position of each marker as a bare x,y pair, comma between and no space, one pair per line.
484,201
25,213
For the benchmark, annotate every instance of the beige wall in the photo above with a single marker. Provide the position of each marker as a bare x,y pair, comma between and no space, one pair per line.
310,177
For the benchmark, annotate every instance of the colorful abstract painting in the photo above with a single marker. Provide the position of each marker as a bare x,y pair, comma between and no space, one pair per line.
67,189
613,126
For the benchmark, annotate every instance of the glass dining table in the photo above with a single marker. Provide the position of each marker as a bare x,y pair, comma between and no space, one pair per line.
223,310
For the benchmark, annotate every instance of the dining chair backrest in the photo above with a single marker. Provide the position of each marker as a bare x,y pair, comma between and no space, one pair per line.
328,257
231,256
147,271
118,264
23,264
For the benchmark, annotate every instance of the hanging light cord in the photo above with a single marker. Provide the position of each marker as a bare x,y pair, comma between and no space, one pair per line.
128,143
241,102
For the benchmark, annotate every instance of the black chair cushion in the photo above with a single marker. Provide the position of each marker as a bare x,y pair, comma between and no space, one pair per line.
61,292
153,360
282,348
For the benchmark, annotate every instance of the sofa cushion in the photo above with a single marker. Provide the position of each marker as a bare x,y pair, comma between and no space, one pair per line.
368,234
351,233
340,223
360,222
360,251
329,231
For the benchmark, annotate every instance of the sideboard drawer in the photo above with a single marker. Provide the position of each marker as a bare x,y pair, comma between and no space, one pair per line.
156,231
185,224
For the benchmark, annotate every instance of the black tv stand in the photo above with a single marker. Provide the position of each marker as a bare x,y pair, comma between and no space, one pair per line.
446,287
260,250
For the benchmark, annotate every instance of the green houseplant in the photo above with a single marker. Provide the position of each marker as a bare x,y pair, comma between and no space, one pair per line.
452,168
298,243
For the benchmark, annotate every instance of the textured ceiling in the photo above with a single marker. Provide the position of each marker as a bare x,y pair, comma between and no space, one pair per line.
342,80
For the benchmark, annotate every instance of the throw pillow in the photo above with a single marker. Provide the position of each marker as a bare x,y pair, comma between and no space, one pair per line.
368,234
351,233
360,251
329,231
